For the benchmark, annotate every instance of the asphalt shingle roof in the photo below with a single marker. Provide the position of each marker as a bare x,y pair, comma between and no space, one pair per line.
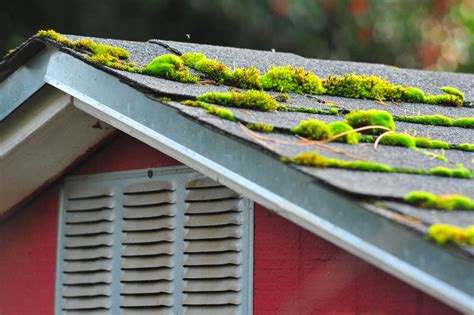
386,189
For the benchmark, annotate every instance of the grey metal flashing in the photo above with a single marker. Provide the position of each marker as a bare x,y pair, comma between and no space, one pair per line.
22,83
443,273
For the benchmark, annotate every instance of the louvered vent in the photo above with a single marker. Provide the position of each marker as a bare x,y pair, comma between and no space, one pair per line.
148,238
213,249
87,250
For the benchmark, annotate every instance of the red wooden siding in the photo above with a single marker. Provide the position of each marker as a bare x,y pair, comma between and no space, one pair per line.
296,272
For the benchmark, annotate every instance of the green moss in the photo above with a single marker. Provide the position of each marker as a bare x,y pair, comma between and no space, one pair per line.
438,120
312,110
289,79
444,202
170,67
252,99
467,122
213,110
110,56
314,159
453,91
211,67
445,233
51,34
371,117
363,87
438,144
463,146
399,139
282,97
312,129
246,78
339,127
414,95
261,127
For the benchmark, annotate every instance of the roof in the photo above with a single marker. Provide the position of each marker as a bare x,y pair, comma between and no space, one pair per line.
361,211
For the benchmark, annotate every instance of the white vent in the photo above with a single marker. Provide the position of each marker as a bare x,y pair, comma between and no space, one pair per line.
148,235
213,249
175,243
87,250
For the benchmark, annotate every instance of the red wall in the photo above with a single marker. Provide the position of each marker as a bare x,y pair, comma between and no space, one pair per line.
295,272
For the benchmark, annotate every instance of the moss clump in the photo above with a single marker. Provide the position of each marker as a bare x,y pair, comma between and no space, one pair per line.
438,120
338,127
246,78
289,79
399,139
444,202
213,110
312,110
282,97
110,56
445,233
314,159
51,34
211,67
363,87
170,67
252,99
463,146
261,127
312,129
371,117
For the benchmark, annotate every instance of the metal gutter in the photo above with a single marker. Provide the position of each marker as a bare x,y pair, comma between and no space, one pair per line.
440,272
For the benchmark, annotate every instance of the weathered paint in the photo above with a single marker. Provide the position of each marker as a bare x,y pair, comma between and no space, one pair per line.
296,272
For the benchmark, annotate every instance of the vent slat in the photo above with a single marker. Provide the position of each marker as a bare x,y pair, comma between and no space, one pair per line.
214,285
234,231
90,204
151,300
88,241
217,298
149,224
87,312
149,249
145,187
147,262
212,310
210,246
160,310
89,192
88,253
216,206
147,275
149,199
86,303
87,229
202,182
83,291
87,278
148,237
149,212
90,265
81,217
214,272
213,259
213,219
211,194
147,288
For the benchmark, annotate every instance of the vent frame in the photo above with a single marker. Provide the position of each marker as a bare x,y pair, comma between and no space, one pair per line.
112,185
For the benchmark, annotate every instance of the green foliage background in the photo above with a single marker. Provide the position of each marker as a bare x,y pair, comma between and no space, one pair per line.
433,34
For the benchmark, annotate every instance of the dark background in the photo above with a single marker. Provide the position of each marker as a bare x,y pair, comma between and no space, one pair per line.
428,34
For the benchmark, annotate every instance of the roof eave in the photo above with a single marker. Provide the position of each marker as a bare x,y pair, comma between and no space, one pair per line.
336,217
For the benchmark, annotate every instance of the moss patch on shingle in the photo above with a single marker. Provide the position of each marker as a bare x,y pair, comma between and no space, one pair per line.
444,202
446,233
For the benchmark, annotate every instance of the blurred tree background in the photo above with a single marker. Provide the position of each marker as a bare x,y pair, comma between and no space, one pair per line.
428,34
